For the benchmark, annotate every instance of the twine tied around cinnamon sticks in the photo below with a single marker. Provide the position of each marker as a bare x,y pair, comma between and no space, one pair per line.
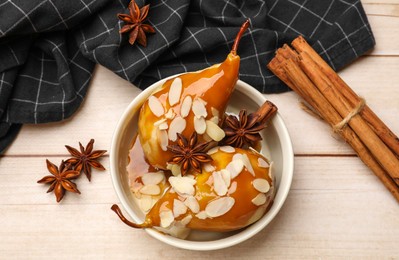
338,127
305,72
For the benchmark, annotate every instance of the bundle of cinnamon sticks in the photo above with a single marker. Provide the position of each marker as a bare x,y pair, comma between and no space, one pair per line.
305,72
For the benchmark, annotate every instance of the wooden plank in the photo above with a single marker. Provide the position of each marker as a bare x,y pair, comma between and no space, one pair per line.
336,208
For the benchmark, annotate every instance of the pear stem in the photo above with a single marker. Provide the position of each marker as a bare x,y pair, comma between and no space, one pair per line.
118,212
243,28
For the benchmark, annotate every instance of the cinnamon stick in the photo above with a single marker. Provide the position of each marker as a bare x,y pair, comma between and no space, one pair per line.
285,66
380,151
379,127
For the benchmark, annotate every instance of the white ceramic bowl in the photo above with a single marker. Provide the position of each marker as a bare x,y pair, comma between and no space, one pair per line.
276,146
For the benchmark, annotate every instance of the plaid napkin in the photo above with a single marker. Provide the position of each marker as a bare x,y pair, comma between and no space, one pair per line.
48,48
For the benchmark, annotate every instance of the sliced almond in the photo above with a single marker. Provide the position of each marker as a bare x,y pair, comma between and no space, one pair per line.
170,114
235,167
262,163
178,208
192,203
186,220
219,184
209,181
260,199
186,106
183,185
163,126
177,125
175,91
163,139
215,119
227,149
167,218
213,150
199,125
226,175
174,168
145,203
215,112
203,101
248,164
202,215
233,188
199,108
155,106
261,185
214,131
208,167
151,189
271,168
219,206
152,178
160,121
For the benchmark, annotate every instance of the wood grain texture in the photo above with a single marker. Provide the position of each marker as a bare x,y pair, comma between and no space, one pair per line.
336,207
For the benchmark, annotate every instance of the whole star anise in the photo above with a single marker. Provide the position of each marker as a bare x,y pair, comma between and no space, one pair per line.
86,158
244,130
134,24
60,180
189,154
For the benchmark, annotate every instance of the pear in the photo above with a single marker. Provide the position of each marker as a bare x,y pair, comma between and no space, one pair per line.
194,101
233,191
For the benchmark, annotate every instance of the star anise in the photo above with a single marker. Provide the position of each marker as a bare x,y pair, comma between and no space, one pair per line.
86,158
189,154
244,130
134,24
60,180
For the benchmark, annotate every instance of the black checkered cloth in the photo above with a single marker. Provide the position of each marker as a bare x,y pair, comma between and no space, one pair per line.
48,48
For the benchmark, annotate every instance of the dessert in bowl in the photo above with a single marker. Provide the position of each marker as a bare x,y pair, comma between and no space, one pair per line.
192,173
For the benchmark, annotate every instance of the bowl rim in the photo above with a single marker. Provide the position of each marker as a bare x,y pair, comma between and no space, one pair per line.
244,234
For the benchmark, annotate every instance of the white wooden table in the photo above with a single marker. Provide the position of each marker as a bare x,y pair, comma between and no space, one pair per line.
336,206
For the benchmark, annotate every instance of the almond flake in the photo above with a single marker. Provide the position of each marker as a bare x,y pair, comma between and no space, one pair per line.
214,131
213,150
209,181
160,121
202,101
175,169
163,126
199,108
260,199
166,218
208,167
248,164
178,208
170,114
262,163
163,139
186,106
183,185
175,91
199,125
151,189
233,188
219,185
227,149
215,112
152,178
226,175
155,106
186,220
177,125
202,215
235,167
145,203
192,203
215,119
219,206
261,185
